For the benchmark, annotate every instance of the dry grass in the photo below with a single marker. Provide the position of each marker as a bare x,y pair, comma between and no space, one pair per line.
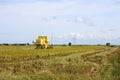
59,63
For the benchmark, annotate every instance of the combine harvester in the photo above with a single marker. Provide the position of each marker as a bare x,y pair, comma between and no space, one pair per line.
42,42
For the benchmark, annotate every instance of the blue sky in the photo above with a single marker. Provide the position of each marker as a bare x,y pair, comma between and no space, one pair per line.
76,21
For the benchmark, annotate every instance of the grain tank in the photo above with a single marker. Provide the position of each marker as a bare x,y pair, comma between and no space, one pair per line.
42,42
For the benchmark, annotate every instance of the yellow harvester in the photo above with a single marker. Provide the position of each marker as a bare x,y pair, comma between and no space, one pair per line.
41,42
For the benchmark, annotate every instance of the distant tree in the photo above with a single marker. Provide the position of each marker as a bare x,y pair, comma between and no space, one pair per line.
33,42
64,45
98,44
27,44
107,44
69,44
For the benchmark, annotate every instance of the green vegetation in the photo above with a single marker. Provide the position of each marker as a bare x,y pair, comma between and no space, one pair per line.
59,63
116,66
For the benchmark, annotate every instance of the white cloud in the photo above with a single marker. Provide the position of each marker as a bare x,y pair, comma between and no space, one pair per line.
90,35
76,35
81,20
87,38
58,17
85,21
54,9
